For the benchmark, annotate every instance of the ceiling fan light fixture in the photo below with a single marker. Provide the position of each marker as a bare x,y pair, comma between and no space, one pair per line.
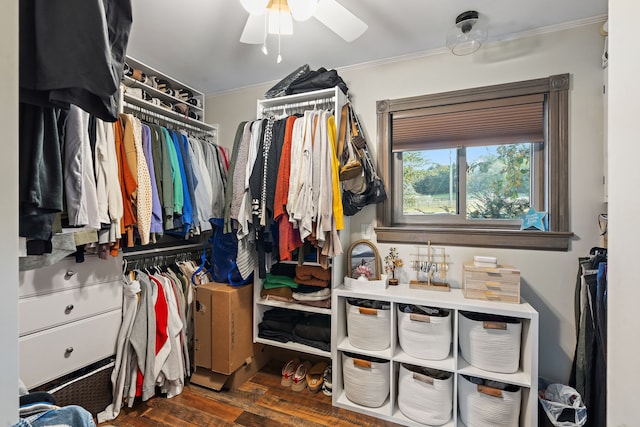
254,7
301,10
280,21
468,34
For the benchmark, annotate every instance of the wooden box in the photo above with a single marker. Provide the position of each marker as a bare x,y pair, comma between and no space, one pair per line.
501,283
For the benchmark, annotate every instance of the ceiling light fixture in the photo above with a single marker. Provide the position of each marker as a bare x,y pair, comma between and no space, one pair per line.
280,21
468,34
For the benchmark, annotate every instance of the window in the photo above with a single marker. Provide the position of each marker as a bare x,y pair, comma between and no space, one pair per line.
461,167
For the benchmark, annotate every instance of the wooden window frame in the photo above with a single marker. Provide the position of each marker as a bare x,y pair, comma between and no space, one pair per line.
556,89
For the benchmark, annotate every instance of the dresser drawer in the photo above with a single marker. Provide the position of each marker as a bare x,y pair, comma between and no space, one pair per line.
42,312
67,274
55,352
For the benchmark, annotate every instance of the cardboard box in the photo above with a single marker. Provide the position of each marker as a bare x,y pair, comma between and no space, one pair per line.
217,381
223,327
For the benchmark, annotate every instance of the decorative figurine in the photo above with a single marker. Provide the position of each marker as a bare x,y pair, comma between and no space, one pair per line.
391,262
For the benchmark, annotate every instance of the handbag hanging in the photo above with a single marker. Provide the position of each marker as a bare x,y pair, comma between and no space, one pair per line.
373,191
350,165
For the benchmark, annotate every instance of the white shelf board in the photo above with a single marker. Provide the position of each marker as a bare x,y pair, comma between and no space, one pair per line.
345,346
403,419
295,347
294,306
518,378
448,364
383,411
150,71
168,113
451,300
299,97
131,82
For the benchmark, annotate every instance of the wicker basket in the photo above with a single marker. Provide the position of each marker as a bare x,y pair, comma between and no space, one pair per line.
488,406
92,391
425,395
490,342
366,379
369,328
423,336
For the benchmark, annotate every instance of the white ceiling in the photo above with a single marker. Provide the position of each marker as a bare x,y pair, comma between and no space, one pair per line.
196,41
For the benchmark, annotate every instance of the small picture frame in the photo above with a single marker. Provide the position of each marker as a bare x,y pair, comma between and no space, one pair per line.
363,260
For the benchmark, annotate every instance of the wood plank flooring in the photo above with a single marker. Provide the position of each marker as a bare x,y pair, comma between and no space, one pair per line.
260,402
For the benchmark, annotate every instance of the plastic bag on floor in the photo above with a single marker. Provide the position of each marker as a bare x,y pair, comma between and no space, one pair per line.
563,406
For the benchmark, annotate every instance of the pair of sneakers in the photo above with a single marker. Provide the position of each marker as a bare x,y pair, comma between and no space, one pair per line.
326,381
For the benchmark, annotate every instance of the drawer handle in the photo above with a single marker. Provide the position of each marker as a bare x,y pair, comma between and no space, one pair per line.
68,350
69,274
68,308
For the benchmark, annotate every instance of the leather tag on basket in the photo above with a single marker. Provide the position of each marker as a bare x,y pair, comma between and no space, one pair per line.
495,325
422,378
420,317
495,392
362,363
369,311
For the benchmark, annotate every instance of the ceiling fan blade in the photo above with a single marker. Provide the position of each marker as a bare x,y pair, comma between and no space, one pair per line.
340,20
253,32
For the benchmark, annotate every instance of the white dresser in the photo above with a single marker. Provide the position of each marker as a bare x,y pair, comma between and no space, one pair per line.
69,317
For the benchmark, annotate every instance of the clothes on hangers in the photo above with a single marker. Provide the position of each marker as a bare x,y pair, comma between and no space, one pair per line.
155,342
589,372
56,70
288,191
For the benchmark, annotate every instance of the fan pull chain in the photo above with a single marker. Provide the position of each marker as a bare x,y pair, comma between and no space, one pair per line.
264,40
279,59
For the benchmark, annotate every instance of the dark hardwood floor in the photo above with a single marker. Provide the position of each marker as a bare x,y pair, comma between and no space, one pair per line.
260,402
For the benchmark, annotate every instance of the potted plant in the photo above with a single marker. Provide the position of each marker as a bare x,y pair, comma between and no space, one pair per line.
391,262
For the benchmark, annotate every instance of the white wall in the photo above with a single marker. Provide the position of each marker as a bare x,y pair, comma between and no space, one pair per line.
548,277
9,214
623,381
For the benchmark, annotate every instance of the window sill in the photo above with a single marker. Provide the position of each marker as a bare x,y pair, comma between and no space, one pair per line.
508,239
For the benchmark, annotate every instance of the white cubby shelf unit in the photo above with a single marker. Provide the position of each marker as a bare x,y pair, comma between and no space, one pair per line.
526,376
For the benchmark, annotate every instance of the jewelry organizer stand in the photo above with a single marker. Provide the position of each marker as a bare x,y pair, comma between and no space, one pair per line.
432,263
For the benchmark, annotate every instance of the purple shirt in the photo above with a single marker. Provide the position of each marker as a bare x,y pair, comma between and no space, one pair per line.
156,209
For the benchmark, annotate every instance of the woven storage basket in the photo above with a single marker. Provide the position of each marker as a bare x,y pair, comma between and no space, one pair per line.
369,328
424,336
425,395
92,390
366,379
486,406
490,342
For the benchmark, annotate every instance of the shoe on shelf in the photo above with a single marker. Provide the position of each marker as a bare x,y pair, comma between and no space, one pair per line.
314,376
300,377
326,381
288,370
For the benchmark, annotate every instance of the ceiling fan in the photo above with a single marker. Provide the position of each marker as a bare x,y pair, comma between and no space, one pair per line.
274,17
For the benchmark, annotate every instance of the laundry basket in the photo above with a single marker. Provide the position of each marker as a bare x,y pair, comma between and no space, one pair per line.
425,395
368,323
490,342
366,379
485,403
424,332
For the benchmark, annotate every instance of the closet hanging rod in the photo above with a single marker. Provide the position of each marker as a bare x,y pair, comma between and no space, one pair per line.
163,251
295,105
166,120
